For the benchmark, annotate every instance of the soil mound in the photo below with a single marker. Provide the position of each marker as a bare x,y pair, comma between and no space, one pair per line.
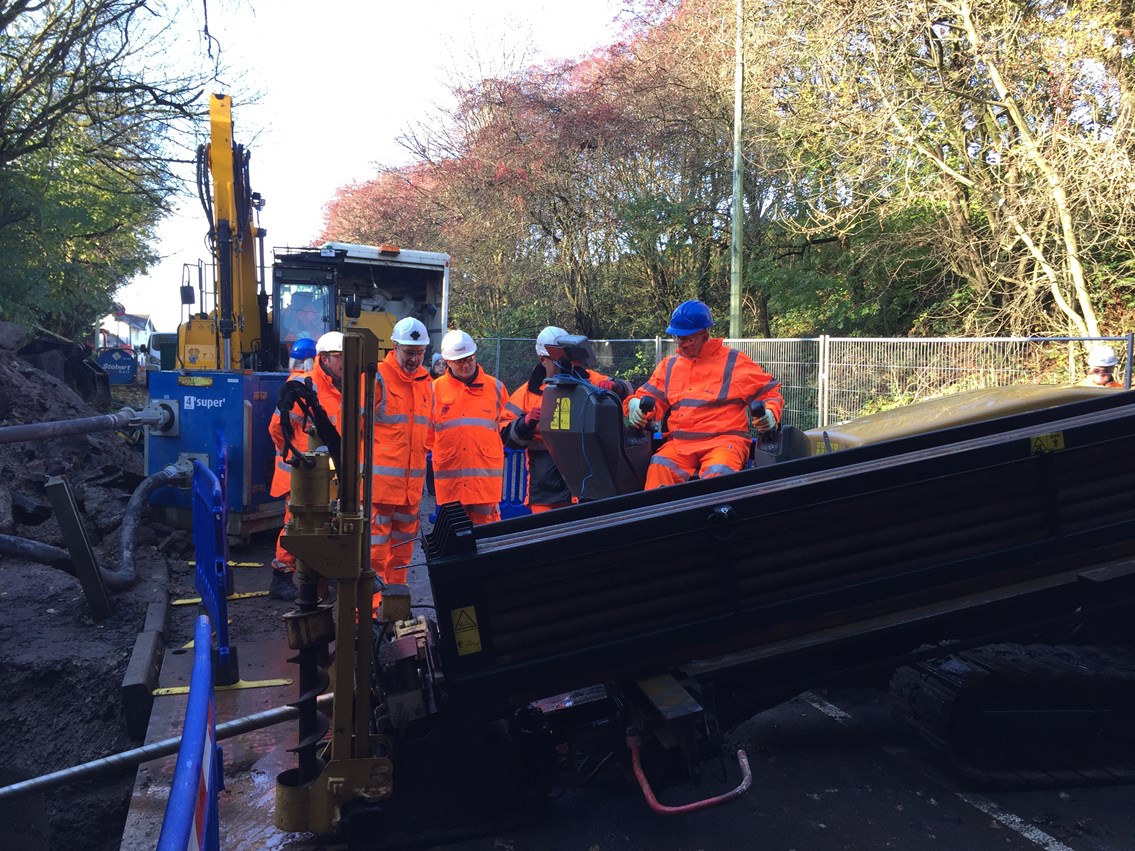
60,703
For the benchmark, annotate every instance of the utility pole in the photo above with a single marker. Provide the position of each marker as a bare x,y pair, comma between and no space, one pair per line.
735,247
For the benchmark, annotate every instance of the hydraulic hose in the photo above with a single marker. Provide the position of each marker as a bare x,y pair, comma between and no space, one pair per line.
127,417
29,550
125,576
114,580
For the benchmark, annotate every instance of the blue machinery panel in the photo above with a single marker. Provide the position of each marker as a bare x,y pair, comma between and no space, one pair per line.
236,405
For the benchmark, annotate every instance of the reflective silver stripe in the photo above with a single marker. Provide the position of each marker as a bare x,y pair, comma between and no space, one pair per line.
403,537
727,376
384,519
380,539
421,420
671,466
702,435
705,403
398,472
476,422
656,392
770,386
670,363
478,508
468,472
402,517
515,409
281,464
716,470
380,392
390,419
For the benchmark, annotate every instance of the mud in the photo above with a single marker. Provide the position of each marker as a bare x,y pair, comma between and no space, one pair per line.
62,670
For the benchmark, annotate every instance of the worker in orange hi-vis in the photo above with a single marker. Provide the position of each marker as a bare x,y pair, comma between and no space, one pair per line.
301,357
546,487
468,456
327,379
403,401
702,395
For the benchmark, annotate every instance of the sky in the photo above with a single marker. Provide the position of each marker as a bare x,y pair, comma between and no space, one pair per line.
336,89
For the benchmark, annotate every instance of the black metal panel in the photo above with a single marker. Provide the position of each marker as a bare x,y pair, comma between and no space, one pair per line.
745,561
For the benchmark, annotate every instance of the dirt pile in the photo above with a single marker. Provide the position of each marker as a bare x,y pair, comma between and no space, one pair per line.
60,704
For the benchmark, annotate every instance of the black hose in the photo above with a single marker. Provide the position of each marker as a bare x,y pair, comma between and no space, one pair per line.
103,422
125,576
29,550
113,580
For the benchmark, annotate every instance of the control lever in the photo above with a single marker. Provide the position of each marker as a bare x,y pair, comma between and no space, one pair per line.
768,441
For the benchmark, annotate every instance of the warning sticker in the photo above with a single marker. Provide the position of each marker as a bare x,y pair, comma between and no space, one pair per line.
1052,442
561,416
465,630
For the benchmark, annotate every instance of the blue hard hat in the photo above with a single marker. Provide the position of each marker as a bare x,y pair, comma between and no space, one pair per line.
303,348
689,317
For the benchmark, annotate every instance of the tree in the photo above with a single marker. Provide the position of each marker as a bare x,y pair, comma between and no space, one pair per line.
983,112
84,169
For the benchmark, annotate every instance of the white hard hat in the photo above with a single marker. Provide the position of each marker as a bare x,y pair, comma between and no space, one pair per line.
548,335
457,345
410,332
332,341
1102,356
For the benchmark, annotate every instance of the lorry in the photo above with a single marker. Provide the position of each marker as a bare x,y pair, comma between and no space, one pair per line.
231,351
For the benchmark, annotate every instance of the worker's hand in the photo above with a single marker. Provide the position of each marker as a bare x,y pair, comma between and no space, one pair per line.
532,418
636,416
605,384
765,423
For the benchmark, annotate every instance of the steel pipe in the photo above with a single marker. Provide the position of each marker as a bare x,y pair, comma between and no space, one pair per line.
156,750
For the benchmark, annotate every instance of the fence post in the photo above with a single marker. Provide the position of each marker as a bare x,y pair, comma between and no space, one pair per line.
825,355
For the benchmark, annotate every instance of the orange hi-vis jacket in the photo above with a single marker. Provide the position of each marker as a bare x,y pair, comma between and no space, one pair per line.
707,397
330,399
468,456
401,433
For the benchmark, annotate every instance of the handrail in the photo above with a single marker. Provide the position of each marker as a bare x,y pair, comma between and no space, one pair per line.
191,819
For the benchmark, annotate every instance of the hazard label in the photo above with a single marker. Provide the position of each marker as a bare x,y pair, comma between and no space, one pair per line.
1041,443
561,416
465,630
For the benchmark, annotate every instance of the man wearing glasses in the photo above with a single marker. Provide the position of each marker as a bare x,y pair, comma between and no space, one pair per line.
468,456
403,399
702,394
1101,368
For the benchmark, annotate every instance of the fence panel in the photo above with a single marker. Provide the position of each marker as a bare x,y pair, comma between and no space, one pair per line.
825,380
864,375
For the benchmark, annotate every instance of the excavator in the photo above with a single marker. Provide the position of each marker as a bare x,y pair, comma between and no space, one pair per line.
967,560
242,317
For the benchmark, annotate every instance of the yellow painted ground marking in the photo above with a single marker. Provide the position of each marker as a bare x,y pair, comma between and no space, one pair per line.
243,595
465,630
193,563
163,692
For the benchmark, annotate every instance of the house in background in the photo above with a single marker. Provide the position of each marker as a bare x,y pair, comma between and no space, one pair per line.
125,330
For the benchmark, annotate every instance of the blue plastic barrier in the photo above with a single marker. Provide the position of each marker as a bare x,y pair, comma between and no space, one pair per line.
212,552
515,487
515,484
191,818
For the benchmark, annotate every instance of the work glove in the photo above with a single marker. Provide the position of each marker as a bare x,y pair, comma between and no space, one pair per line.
605,384
635,415
532,418
765,423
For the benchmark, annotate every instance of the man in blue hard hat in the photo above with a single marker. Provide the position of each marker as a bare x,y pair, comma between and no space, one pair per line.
702,394
301,357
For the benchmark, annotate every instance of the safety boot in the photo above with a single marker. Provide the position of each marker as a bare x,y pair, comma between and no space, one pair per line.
282,587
